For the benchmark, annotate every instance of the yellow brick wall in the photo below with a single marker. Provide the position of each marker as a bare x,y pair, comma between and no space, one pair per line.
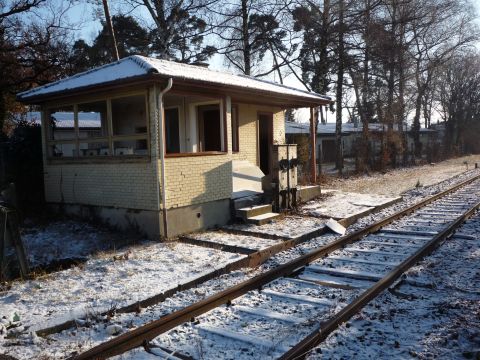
125,185
247,133
279,127
197,179
134,185
131,185
248,130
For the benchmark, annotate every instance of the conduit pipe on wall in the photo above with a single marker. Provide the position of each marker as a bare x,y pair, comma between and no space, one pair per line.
161,149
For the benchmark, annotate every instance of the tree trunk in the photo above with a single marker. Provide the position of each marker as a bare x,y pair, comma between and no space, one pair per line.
391,69
324,40
365,89
246,40
3,112
401,96
339,93
418,107
108,19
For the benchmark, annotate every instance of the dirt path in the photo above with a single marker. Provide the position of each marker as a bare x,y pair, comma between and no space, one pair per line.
398,181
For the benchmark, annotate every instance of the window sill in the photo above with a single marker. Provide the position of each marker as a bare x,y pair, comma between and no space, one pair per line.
205,153
99,159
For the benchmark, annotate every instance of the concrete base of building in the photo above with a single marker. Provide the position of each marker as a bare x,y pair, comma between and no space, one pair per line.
150,223
306,193
144,222
197,217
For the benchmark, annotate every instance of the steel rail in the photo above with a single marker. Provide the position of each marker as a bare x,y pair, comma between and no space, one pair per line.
300,350
137,337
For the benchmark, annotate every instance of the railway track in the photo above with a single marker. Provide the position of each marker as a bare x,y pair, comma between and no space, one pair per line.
285,312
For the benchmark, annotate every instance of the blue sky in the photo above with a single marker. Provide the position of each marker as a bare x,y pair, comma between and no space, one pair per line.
88,16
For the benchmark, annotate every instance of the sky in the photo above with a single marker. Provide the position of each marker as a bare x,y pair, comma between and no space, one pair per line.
87,18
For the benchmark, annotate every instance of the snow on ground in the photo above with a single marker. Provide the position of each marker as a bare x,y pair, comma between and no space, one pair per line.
339,205
106,281
225,238
81,338
201,338
68,239
440,320
396,182
289,226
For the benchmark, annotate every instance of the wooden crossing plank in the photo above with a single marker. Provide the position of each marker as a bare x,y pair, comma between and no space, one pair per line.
362,261
335,281
354,274
298,298
236,336
383,243
374,252
266,313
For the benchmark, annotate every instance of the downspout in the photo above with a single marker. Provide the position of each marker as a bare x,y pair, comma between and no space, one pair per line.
161,137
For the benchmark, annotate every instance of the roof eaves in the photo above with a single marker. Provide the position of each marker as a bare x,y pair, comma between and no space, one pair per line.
138,60
35,99
310,99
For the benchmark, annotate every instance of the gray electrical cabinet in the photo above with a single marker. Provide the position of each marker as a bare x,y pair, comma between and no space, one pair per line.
284,166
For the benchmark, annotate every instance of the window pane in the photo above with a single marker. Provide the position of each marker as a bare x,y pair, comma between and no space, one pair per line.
60,123
210,127
172,133
133,147
61,150
94,149
235,146
92,120
129,115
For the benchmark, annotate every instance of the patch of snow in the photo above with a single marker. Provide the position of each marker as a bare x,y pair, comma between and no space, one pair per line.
185,339
126,68
340,205
225,238
137,65
108,281
289,227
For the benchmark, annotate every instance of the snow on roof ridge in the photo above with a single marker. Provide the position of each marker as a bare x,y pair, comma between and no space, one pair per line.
141,61
151,60
137,65
286,86
89,71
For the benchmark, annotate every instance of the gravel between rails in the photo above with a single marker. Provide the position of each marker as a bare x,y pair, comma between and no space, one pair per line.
85,337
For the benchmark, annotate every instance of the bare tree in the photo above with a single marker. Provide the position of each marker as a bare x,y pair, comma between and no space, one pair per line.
250,32
459,78
33,48
444,27
339,90
179,28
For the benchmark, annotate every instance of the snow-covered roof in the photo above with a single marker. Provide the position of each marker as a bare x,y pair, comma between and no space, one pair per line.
64,120
296,128
139,66
69,124
329,128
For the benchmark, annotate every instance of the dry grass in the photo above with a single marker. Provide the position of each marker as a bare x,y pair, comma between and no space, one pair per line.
396,182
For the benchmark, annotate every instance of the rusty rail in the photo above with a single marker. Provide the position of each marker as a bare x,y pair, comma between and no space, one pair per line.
149,331
300,350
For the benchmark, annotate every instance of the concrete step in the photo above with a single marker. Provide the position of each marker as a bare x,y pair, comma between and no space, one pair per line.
262,219
248,201
251,211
